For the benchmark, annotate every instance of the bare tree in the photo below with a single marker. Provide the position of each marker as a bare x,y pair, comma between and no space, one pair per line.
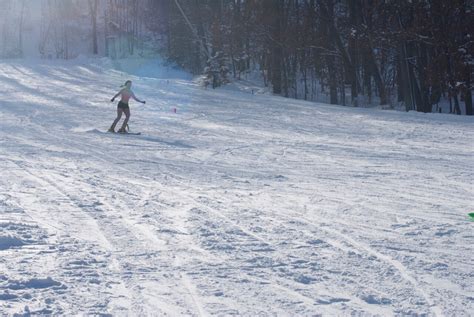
93,8
20,28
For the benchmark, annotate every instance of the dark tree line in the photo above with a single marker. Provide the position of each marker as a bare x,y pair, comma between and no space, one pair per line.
411,53
354,51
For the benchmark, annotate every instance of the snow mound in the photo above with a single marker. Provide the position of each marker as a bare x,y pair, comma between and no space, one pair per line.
34,283
8,242
18,234
7,296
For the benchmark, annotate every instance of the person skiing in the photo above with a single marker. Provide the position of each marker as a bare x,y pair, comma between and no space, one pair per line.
126,93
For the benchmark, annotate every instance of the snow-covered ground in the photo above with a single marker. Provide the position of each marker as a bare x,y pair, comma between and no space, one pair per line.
237,204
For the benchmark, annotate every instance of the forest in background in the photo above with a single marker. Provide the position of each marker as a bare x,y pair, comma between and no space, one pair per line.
413,54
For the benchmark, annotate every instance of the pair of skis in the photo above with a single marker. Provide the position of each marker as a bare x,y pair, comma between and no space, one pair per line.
126,132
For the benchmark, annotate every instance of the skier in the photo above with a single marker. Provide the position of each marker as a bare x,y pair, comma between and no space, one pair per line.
126,93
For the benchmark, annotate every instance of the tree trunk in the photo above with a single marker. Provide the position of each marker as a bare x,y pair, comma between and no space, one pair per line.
377,77
329,31
457,108
93,11
353,16
332,80
327,12
468,92
277,51
20,40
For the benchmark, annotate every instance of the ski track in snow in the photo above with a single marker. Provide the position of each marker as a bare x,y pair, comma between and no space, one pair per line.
238,204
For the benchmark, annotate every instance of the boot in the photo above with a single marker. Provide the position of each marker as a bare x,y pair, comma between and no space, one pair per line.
112,128
122,130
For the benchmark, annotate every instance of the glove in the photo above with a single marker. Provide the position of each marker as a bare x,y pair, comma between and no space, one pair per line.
112,100
144,102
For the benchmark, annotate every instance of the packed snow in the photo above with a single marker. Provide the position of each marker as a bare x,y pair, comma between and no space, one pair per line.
237,203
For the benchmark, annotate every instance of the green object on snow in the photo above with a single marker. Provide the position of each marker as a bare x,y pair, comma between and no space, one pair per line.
471,215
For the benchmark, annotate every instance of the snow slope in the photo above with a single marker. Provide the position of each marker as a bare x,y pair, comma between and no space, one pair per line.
238,204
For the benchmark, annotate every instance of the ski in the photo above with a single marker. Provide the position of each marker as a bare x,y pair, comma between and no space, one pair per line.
125,133
130,133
